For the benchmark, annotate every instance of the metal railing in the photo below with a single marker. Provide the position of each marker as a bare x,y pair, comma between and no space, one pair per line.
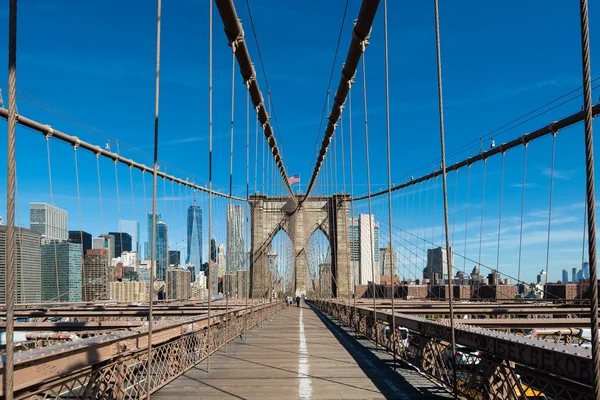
115,366
489,365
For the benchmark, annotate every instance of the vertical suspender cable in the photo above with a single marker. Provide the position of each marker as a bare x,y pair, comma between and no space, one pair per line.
467,215
449,257
246,206
590,194
153,262
500,214
255,154
52,234
454,211
10,200
550,207
522,211
482,210
79,209
226,278
389,171
353,238
210,140
371,229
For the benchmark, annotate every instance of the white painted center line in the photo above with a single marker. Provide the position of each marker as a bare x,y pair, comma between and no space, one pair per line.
305,381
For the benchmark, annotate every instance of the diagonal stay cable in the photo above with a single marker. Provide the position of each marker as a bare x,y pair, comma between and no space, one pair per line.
235,35
360,36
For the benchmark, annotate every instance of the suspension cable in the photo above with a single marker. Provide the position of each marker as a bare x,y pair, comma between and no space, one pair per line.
118,208
10,200
467,215
210,154
153,262
79,208
246,207
482,211
590,192
449,257
522,210
500,215
454,211
389,170
354,238
371,229
226,278
52,235
550,206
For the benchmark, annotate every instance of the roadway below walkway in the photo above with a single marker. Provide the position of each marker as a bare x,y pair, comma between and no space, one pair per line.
300,354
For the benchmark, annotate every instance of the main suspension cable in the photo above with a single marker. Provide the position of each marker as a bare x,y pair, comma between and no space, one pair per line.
153,262
449,257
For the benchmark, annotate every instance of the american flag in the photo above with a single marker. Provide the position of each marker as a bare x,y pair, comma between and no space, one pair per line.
294,179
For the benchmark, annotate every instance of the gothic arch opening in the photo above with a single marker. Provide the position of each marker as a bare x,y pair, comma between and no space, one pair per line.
280,262
318,260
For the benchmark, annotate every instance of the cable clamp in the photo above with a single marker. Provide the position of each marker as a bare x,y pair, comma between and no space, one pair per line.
552,129
98,151
362,42
77,143
248,81
49,132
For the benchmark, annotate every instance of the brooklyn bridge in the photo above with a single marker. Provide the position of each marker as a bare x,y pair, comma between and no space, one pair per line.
434,250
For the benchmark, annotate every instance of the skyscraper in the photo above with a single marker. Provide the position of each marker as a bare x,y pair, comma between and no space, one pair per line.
133,228
105,242
387,260
437,263
221,260
586,270
213,250
174,258
162,249
27,265
51,222
364,249
76,237
235,238
95,275
161,245
574,275
565,276
61,261
194,237
123,242
178,284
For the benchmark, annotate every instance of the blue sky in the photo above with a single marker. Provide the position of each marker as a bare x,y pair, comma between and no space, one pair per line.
95,62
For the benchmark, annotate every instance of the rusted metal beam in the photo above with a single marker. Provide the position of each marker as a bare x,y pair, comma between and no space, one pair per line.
491,311
548,358
74,326
46,366
528,323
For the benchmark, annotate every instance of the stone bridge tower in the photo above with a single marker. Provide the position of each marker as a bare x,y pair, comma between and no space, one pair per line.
272,214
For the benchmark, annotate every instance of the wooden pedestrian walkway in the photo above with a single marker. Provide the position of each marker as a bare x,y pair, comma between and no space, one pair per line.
299,354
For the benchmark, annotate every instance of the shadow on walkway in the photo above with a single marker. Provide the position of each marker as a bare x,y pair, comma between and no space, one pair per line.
390,383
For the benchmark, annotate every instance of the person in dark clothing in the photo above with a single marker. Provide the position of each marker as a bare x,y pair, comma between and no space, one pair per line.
297,301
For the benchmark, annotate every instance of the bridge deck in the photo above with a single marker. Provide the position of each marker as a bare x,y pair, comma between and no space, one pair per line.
299,354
